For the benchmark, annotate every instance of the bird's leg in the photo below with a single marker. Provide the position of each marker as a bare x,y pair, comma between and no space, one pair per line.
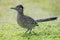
30,31
27,30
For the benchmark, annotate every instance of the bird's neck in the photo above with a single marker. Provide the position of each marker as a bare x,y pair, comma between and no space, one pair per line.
20,12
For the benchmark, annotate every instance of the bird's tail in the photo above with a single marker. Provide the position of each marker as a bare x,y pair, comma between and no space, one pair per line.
46,19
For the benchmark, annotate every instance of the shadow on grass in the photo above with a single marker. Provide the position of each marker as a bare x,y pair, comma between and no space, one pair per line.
33,34
28,36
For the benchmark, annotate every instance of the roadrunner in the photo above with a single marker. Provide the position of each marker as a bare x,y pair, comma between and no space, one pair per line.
26,21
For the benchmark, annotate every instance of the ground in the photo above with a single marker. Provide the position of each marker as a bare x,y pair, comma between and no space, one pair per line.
10,30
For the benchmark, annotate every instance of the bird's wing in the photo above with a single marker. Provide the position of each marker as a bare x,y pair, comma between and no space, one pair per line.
30,20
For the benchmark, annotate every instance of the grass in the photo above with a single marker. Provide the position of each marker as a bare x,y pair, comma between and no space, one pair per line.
10,30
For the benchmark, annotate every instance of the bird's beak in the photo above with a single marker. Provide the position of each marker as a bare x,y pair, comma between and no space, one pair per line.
13,8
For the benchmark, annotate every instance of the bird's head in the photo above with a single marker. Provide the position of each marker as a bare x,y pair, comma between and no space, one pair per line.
18,8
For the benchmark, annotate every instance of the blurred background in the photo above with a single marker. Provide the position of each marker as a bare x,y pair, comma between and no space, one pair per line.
10,30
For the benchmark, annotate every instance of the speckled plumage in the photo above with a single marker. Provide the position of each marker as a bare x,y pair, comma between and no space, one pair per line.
26,21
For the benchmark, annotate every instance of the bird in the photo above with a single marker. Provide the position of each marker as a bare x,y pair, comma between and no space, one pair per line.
26,21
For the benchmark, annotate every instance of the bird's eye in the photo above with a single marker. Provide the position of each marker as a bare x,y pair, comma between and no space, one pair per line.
20,8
